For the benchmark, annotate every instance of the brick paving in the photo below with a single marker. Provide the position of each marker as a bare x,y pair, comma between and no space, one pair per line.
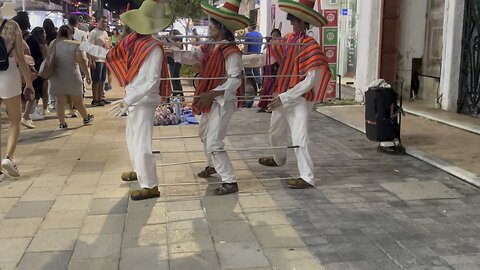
69,210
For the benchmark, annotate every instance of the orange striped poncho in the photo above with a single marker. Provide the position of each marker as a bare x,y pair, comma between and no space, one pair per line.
125,60
213,66
299,60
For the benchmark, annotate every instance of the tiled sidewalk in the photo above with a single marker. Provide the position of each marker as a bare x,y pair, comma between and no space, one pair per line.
69,210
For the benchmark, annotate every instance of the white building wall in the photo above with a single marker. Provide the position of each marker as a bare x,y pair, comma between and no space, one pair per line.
412,28
368,48
452,52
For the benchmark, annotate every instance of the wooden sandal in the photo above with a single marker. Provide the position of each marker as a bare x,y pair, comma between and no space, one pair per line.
267,161
144,193
298,183
207,172
226,188
129,176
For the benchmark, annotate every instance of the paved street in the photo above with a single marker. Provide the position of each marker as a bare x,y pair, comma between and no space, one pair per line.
69,210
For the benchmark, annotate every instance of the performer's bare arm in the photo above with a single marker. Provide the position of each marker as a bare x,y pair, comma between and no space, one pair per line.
93,50
256,60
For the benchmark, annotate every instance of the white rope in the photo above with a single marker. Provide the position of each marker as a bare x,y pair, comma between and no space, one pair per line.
208,37
224,78
235,43
226,150
198,161
196,136
219,182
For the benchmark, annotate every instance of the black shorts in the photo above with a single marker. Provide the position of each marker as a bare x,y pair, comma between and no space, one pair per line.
99,73
38,87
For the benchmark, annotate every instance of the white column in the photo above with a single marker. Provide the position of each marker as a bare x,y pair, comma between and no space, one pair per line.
368,50
265,17
452,53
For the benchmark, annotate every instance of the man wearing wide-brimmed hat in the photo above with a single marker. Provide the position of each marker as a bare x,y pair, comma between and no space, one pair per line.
139,64
306,76
218,97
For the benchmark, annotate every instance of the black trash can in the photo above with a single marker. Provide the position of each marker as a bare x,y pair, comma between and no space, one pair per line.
381,114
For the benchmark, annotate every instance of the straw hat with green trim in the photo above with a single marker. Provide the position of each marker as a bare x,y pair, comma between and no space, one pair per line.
153,16
227,14
303,9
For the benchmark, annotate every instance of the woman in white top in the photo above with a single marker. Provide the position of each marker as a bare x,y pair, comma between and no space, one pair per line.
10,88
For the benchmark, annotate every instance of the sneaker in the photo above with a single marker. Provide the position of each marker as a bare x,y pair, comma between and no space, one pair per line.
72,113
63,126
51,107
36,116
45,111
88,120
105,101
27,123
107,87
10,167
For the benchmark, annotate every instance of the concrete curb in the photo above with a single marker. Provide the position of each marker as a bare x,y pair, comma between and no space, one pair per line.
460,173
430,116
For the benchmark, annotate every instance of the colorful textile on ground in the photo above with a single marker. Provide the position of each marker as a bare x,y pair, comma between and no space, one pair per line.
213,64
125,60
299,60
174,114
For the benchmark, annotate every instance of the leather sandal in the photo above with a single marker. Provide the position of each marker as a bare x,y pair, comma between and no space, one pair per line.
226,188
298,183
207,172
129,176
267,161
144,193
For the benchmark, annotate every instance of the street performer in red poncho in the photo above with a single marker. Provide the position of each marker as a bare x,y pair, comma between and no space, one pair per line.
304,78
139,64
217,98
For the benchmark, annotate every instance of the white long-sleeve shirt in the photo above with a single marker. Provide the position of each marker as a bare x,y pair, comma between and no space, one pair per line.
144,87
311,81
233,67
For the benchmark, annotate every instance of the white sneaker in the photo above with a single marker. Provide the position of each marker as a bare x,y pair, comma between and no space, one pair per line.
27,123
45,111
10,167
36,116
72,113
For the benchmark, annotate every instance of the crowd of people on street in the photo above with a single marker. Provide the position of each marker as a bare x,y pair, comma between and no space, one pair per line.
149,69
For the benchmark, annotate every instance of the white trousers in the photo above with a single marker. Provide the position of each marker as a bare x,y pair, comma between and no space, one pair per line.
139,142
212,131
295,116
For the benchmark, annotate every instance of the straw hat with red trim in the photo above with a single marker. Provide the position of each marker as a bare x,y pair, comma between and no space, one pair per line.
227,14
303,9
152,17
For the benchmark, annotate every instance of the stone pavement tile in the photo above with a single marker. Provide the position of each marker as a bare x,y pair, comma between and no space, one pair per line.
67,219
12,249
109,206
198,223
105,263
72,202
19,227
109,179
145,235
234,255
267,217
98,246
85,178
115,191
257,201
469,266
29,209
140,258
187,241
184,215
72,188
232,231
223,207
14,188
278,236
57,260
181,190
292,258
41,193
6,204
183,204
339,266
103,224
49,181
199,260
8,265
147,215
54,240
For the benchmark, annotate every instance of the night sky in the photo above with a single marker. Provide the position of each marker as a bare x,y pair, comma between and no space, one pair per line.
119,5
